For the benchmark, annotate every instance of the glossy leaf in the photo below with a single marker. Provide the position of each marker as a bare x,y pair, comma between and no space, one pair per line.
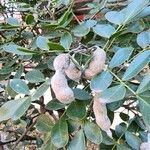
101,82
145,109
19,86
81,30
15,49
115,17
104,30
137,65
35,76
42,43
55,46
44,124
127,14
76,110
133,140
40,91
14,109
66,40
143,39
12,21
81,94
29,18
144,85
59,134
123,147
54,105
120,57
78,142
93,132
113,94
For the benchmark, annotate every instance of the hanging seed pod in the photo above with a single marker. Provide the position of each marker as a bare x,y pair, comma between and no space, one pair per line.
61,89
61,62
100,112
97,64
73,72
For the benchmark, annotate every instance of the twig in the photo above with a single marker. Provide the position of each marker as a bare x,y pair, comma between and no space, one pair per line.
24,134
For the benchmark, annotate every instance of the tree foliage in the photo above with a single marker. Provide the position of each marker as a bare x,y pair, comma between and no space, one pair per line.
34,33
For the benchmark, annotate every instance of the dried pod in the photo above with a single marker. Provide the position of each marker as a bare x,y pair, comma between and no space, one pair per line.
61,62
73,72
145,146
100,112
97,63
61,89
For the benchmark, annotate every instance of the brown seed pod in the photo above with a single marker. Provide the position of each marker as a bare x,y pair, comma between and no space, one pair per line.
61,89
73,72
100,112
61,62
97,63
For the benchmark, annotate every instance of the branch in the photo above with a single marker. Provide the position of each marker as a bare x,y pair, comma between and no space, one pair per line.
24,134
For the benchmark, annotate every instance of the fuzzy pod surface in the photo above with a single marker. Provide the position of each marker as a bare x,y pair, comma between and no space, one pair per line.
61,62
73,72
100,112
61,89
97,63
145,146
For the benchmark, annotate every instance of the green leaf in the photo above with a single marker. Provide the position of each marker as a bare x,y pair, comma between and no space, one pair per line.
66,40
134,8
93,132
107,140
19,72
127,14
29,19
19,86
48,145
120,129
12,21
101,82
54,105
137,65
145,83
104,30
122,147
55,46
76,110
143,39
78,142
115,17
124,116
90,23
35,76
40,91
120,56
14,109
42,43
44,124
133,140
81,30
145,109
113,94
81,94
15,49
59,134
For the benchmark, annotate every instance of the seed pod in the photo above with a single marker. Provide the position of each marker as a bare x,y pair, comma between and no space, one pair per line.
100,112
145,146
61,89
61,62
73,72
97,63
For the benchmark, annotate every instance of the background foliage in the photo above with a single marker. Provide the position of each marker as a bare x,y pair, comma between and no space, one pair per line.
33,33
